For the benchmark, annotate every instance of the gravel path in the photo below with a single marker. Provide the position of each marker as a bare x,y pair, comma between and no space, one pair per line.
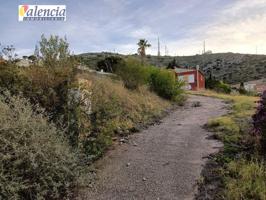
162,162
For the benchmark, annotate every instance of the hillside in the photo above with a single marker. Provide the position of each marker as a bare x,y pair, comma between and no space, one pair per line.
229,67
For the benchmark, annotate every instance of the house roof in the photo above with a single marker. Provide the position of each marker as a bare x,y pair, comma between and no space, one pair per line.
180,70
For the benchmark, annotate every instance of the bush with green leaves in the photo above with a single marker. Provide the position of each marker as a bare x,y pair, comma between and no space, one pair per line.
36,161
218,86
132,73
54,51
47,87
110,64
46,84
223,87
11,80
161,81
164,83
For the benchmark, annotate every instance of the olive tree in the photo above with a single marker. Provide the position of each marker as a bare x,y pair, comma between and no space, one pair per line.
54,50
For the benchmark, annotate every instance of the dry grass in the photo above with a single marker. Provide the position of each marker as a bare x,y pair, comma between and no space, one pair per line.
234,127
116,110
242,106
243,178
132,102
36,161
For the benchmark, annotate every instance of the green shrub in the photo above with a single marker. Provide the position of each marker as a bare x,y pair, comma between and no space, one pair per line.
103,122
132,73
223,87
54,51
47,87
164,83
109,64
160,81
36,161
115,110
11,80
218,86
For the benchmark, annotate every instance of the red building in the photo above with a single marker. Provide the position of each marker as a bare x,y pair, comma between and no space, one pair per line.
194,79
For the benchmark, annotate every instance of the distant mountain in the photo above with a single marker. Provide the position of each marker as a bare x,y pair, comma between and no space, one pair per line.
229,67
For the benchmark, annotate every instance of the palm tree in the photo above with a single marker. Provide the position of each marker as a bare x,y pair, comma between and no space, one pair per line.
143,44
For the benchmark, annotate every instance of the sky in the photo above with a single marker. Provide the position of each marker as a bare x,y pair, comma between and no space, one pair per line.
117,25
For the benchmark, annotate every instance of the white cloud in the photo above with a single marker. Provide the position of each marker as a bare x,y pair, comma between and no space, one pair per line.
126,48
241,5
240,28
144,32
23,52
237,26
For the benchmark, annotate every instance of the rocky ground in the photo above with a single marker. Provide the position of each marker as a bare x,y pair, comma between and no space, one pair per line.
162,162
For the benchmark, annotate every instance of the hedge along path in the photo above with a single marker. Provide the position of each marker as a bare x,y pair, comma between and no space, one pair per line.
161,162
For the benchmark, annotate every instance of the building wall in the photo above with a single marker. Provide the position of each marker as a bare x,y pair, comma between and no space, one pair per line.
187,77
260,88
201,81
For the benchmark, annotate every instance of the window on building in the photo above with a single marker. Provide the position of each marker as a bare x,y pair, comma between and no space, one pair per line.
191,78
181,78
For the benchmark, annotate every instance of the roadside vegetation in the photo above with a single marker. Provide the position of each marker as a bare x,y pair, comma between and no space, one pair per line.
36,161
218,86
115,112
241,166
57,119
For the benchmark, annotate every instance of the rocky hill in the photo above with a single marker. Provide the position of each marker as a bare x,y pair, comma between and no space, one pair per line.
229,67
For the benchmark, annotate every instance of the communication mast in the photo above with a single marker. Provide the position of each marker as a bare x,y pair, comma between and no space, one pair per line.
159,53
166,51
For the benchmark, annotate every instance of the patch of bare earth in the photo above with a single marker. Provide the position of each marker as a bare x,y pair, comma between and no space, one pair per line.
162,162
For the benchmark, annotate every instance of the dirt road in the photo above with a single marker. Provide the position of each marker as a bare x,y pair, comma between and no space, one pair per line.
161,163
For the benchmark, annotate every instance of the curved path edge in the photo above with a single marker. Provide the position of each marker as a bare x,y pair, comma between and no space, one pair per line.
162,162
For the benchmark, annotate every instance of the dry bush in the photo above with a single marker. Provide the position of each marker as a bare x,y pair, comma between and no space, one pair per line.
36,161
116,109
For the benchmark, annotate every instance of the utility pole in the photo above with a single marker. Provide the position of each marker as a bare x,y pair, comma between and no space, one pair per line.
197,70
159,53
166,50
203,55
